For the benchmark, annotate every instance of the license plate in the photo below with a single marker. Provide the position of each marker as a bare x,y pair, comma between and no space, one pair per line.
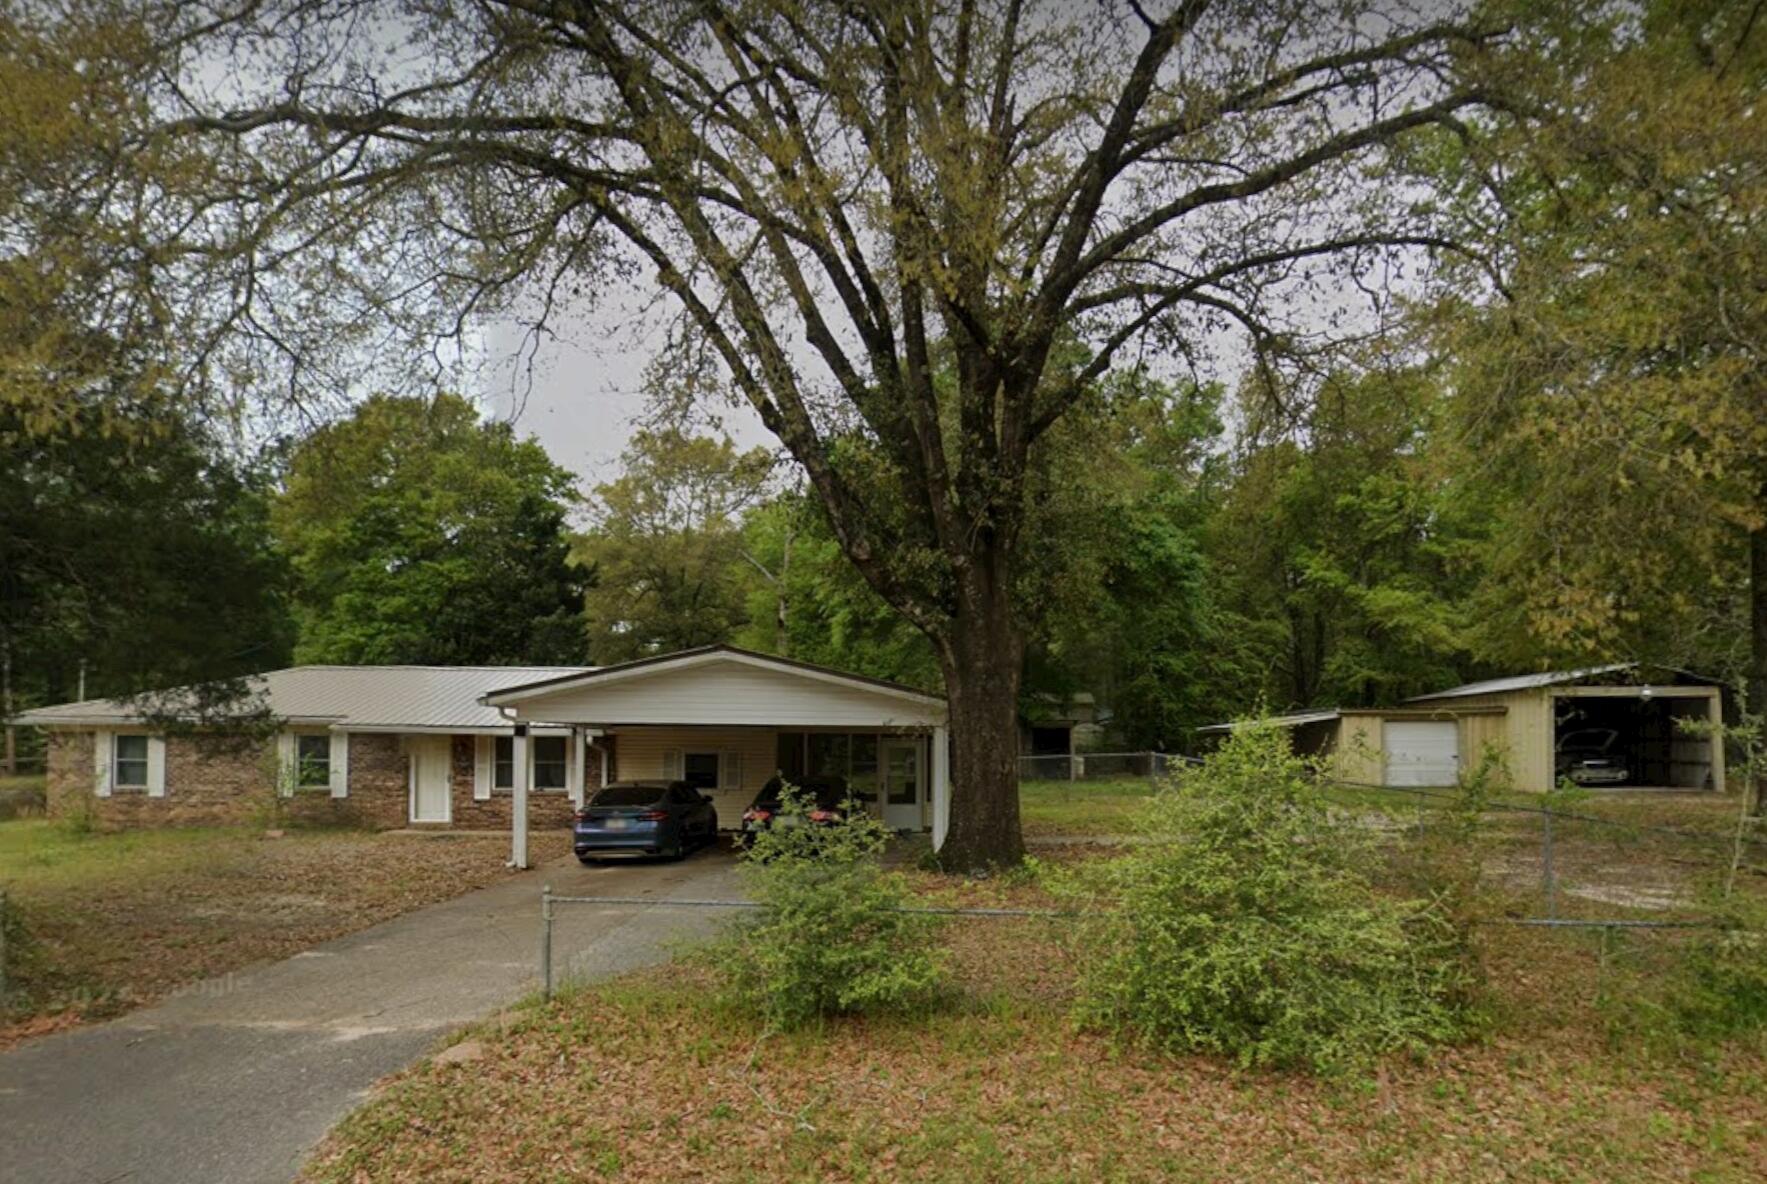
616,824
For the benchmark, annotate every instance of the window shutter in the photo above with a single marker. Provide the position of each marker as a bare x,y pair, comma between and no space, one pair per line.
730,770
285,764
101,764
484,751
340,764
156,766
672,764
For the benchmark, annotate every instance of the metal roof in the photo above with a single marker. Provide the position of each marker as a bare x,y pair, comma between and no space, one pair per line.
1294,720
1529,682
348,696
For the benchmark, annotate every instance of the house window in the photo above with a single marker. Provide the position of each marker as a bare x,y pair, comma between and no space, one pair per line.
503,763
129,763
700,770
546,762
549,762
312,761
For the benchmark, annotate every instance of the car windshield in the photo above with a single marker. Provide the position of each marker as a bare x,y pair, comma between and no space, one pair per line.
629,795
1589,740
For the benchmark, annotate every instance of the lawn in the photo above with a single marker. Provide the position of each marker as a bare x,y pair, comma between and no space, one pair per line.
651,1079
115,920
1053,808
21,795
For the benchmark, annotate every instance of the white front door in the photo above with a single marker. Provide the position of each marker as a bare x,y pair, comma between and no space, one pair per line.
903,783
430,759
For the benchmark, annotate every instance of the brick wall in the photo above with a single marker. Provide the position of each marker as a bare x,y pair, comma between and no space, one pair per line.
213,782
546,808
210,783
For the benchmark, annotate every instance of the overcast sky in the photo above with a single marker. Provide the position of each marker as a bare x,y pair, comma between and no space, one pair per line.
581,392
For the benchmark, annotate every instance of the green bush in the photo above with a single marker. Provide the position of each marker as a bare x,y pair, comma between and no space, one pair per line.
1246,927
830,939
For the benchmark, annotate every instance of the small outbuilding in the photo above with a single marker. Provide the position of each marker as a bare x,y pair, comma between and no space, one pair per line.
1621,726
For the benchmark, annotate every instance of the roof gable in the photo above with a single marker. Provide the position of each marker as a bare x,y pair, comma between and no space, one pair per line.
722,685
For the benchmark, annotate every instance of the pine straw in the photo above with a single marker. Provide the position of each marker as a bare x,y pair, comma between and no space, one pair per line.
649,1079
118,921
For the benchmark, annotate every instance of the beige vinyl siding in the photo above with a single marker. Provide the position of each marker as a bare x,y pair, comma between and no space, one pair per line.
639,754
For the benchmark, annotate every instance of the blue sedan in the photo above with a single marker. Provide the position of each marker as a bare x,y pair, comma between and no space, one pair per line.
644,818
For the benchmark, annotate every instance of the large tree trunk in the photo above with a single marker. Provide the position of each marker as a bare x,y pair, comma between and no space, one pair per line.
983,661
1757,679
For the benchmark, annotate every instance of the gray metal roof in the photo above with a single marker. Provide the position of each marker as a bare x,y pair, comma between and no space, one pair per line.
348,696
1553,678
1294,720
1524,682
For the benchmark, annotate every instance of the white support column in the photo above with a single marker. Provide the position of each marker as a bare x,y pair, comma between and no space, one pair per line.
602,747
518,815
941,786
573,767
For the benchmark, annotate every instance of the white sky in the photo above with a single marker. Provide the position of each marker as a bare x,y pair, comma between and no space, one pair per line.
581,392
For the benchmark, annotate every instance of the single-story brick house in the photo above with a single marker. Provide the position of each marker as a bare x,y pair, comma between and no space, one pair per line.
477,747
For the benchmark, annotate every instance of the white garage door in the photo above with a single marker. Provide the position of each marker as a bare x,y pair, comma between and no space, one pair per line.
1422,752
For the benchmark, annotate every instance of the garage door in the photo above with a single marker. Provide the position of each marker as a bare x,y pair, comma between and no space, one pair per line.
1422,752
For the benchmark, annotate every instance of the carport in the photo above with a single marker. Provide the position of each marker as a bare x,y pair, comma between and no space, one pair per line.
726,720
1656,723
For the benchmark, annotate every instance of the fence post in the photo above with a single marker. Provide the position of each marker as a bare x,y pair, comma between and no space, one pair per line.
546,941
1549,881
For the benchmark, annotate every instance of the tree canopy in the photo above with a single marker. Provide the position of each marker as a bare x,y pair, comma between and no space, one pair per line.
666,546
419,533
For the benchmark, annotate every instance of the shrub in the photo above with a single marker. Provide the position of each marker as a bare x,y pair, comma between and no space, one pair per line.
830,939
1721,991
1246,927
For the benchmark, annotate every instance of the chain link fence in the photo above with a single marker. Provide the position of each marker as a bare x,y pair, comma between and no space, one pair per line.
1625,860
1099,766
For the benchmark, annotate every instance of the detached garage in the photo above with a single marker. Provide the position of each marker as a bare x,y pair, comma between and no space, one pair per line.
1623,726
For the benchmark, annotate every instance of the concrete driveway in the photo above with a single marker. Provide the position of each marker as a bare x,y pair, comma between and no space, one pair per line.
237,1078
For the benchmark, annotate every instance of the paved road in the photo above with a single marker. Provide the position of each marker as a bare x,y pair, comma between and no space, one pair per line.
236,1079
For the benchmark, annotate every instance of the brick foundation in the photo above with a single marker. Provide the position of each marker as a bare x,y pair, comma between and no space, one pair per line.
213,782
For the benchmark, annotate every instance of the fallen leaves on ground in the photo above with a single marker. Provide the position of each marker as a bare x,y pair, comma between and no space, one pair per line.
169,912
649,1078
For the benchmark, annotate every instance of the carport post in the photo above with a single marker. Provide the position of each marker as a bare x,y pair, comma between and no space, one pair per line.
518,814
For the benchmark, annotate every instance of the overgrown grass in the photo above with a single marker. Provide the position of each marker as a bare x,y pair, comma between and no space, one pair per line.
22,796
1082,807
42,856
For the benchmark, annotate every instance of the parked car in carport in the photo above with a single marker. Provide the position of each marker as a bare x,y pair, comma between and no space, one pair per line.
1592,756
829,803
644,818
